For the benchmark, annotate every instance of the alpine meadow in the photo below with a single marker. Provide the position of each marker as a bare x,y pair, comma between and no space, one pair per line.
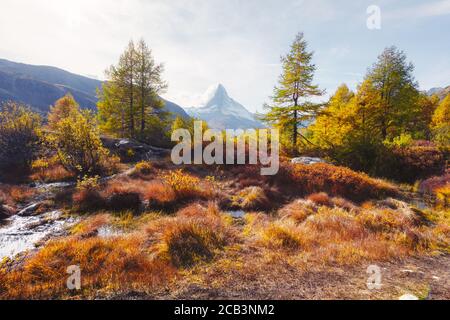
314,167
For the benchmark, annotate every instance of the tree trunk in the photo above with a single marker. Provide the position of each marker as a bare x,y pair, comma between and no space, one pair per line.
131,96
295,133
142,111
122,118
131,110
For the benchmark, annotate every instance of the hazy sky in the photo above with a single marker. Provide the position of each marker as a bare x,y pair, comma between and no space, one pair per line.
236,43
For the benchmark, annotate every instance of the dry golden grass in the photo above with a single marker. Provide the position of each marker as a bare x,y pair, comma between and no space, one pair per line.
298,210
110,265
443,196
169,191
152,248
194,235
297,180
302,235
336,235
89,226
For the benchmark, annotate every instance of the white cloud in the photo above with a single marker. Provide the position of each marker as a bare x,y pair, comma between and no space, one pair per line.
235,42
429,9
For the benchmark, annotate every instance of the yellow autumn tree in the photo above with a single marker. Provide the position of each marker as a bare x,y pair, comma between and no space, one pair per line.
440,124
76,141
62,109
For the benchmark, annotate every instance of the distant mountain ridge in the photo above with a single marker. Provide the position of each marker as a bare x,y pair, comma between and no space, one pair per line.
40,86
222,112
440,92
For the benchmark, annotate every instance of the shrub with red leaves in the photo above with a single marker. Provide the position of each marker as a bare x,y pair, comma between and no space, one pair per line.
338,181
410,164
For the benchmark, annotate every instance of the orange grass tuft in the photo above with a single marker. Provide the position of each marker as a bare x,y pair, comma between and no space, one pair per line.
194,235
107,265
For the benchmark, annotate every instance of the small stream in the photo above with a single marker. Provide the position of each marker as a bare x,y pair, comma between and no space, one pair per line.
19,234
23,232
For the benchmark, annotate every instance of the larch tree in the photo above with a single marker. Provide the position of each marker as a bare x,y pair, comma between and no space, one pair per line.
62,109
129,101
290,108
332,125
120,90
149,83
112,110
392,78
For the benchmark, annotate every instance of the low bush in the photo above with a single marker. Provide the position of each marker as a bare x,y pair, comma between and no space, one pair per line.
19,140
142,169
187,186
76,141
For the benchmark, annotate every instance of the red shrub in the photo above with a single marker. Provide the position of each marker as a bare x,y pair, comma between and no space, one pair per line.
124,200
413,163
88,200
159,193
338,181
301,180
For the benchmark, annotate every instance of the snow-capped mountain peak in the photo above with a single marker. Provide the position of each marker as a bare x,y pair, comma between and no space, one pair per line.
222,112
214,94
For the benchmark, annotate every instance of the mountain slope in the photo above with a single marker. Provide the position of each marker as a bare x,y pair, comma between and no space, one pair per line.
40,86
440,92
175,109
222,112
51,75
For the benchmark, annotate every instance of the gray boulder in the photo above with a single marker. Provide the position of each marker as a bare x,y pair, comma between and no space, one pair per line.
131,150
29,210
307,160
